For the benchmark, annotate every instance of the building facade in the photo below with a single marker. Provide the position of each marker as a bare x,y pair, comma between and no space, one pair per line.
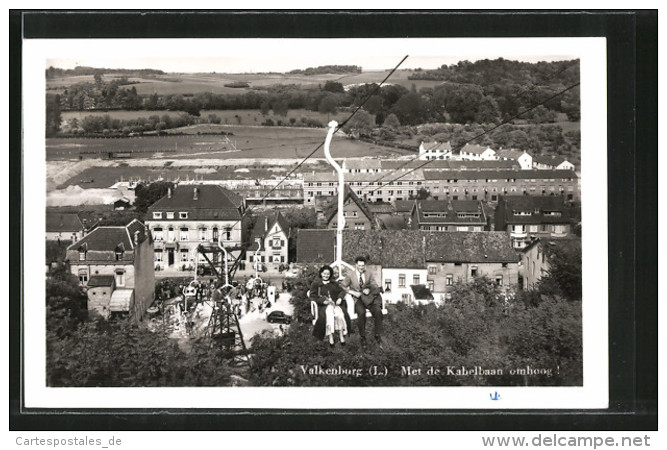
525,218
461,257
489,185
124,253
357,215
524,159
407,259
269,241
477,152
435,150
192,215
448,215
368,187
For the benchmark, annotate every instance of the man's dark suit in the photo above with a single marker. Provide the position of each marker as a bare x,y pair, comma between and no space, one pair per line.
371,302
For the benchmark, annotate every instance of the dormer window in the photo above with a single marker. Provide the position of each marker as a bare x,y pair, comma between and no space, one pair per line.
118,252
157,214
82,254
170,215
183,215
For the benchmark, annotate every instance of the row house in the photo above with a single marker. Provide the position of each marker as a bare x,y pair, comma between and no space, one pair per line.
477,152
362,165
399,166
548,162
525,218
448,215
365,186
115,266
269,241
509,154
192,215
261,192
434,151
412,266
64,227
489,185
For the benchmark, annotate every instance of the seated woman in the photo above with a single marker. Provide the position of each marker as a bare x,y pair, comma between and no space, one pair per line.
332,312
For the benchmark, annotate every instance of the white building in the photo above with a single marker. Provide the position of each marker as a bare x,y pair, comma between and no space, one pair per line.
435,150
478,153
524,159
193,215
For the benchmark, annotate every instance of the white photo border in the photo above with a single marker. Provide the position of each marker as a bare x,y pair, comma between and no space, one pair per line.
594,394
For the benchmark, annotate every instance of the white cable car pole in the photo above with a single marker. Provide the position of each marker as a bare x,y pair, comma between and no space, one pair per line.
224,253
341,196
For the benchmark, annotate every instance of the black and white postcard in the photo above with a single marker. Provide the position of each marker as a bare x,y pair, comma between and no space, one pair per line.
279,223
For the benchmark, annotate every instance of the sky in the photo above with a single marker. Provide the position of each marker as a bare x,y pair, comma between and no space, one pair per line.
283,55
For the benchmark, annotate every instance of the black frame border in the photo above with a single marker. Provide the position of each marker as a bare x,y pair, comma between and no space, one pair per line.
632,206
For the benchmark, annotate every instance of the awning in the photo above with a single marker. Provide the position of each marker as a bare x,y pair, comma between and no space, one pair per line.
121,300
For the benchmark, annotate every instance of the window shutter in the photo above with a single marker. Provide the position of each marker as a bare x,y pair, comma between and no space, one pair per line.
282,243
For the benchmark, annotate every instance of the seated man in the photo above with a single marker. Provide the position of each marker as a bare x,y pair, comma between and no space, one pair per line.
366,291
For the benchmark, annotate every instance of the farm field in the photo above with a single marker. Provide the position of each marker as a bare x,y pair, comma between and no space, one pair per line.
230,117
246,142
187,83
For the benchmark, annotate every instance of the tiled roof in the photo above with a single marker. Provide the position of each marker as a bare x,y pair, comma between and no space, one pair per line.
498,174
326,177
405,248
509,153
56,222
529,203
315,246
107,238
349,195
481,165
380,208
100,280
451,208
443,146
470,247
548,243
474,148
393,222
402,164
404,206
549,159
213,203
362,163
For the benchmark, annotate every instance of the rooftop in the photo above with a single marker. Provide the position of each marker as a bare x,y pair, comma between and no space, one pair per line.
201,202
109,238
499,174
406,248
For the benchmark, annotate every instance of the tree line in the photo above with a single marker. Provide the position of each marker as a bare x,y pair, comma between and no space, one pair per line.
470,93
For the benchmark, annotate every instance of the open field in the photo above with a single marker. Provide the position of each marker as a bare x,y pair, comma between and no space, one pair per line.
245,142
188,84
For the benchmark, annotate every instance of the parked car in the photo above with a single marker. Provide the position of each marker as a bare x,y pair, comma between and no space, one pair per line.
278,317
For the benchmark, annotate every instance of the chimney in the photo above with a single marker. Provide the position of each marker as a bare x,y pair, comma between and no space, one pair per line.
169,193
196,194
